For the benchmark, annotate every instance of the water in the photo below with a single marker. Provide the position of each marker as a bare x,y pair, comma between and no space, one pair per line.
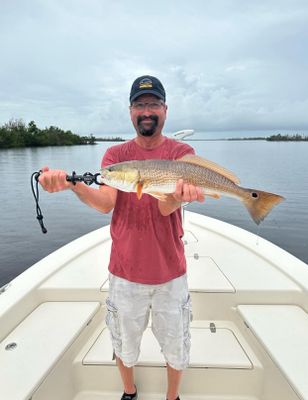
277,167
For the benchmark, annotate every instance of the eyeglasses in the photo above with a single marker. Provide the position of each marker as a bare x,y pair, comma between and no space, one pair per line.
154,106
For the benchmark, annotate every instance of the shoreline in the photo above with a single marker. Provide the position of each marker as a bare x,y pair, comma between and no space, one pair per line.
95,141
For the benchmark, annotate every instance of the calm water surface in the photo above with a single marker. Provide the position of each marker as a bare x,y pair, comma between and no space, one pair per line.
277,167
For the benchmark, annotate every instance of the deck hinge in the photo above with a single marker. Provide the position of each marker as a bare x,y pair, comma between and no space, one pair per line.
212,327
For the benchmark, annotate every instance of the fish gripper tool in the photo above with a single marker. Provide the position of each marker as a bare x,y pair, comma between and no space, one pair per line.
88,178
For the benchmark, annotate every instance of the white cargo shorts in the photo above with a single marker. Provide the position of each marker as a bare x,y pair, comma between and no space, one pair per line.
128,309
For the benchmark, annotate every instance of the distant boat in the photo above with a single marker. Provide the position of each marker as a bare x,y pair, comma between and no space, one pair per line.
249,330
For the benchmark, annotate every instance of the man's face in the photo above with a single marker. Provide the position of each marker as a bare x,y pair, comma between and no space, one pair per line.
148,114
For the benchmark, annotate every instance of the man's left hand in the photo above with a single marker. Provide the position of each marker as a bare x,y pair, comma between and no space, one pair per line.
185,192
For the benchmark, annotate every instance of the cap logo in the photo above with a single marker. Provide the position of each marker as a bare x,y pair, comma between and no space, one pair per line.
145,83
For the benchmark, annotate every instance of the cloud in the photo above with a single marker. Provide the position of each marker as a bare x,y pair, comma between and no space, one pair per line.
225,65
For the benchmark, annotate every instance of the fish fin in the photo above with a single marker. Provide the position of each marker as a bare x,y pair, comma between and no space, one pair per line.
192,159
214,195
139,190
259,203
158,196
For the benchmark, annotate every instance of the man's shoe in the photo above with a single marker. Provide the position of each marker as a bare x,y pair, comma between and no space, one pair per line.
127,396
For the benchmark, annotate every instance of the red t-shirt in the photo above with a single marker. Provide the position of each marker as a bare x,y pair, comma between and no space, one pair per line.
146,246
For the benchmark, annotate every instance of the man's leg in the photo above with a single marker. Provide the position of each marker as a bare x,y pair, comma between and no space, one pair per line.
127,375
174,380
128,308
171,315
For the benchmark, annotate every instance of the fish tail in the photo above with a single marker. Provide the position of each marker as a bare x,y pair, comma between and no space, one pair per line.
259,204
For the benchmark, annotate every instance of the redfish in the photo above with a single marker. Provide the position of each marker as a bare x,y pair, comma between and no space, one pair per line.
158,178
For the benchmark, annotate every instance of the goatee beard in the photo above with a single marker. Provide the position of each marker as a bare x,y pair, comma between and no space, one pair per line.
147,131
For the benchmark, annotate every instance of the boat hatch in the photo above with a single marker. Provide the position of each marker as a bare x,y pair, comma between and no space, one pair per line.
282,330
32,349
189,238
209,349
204,275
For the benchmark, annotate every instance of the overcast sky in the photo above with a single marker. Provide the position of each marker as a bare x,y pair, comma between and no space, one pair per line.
236,65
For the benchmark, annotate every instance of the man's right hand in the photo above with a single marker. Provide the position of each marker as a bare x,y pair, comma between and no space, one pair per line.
54,180
102,199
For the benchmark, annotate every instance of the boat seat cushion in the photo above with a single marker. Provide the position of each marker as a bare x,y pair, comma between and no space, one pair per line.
31,350
282,330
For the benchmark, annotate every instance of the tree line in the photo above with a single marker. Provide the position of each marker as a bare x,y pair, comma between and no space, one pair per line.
287,138
16,133
276,138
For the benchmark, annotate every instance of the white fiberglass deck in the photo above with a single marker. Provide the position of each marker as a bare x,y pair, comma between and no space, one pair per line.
247,344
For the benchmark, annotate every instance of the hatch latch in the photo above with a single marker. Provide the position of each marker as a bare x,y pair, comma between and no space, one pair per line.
212,327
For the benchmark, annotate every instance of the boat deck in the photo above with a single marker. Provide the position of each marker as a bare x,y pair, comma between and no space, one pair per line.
248,332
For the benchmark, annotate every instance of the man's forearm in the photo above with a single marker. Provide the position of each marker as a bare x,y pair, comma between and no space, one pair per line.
101,200
169,206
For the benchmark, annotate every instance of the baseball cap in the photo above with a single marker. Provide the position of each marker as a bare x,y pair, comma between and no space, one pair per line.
147,84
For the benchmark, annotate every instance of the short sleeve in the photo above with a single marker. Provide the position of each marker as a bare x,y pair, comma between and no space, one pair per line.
182,150
108,158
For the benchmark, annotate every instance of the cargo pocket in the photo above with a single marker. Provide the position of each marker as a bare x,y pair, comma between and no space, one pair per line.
112,321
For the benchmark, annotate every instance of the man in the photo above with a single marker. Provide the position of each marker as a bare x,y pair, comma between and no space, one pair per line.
147,263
